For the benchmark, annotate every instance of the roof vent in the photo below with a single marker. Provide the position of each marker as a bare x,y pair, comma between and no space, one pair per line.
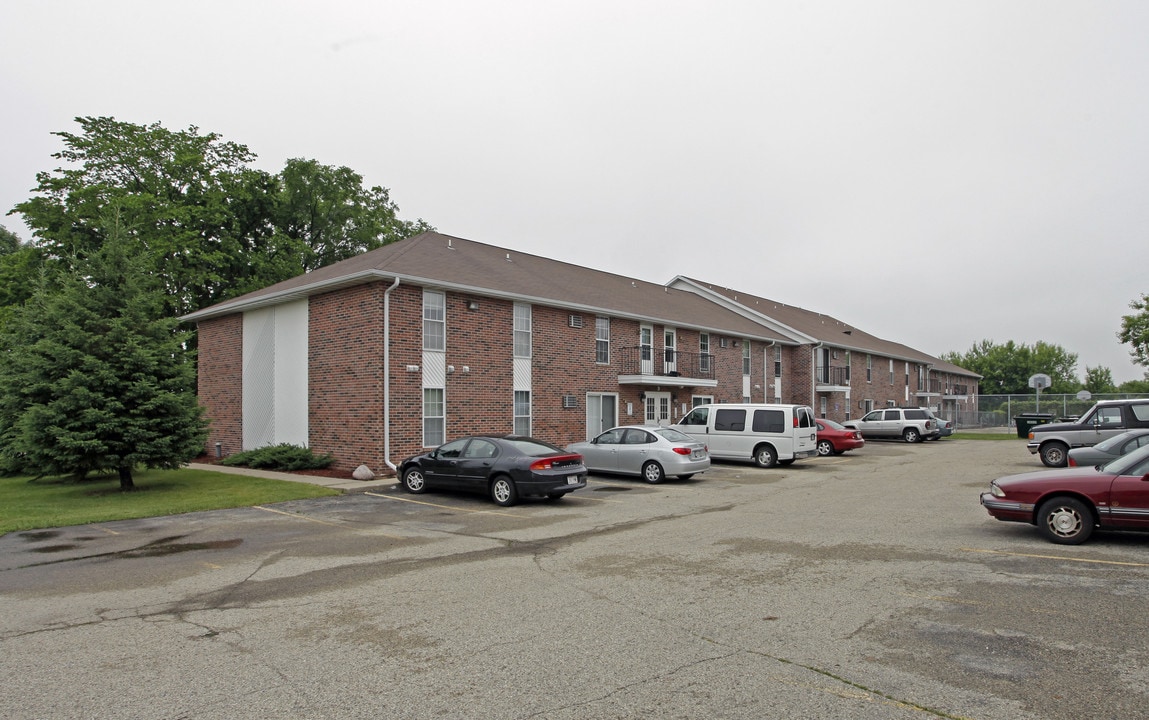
508,257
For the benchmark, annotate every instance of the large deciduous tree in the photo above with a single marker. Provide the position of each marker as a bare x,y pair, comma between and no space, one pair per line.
20,267
1006,368
332,216
94,376
1135,330
189,202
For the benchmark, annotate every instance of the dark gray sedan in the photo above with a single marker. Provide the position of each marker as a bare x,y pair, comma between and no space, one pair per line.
652,452
1108,449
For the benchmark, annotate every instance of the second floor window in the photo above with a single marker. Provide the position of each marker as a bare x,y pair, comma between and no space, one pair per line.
602,340
745,357
777,361
522,330
434,320
704,352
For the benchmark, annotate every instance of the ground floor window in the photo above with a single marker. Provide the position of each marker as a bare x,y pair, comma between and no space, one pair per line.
434,417
522,412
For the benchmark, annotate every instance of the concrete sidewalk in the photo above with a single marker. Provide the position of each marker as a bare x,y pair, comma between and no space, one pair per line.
344,485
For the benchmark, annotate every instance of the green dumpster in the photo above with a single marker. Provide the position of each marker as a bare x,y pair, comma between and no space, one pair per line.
1027,421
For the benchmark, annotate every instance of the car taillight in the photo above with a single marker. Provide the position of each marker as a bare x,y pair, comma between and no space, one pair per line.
682,450
795,421
549,462
1071,462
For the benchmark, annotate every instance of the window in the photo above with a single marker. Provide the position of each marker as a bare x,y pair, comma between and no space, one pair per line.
522,412
522,330
745,358
769,421
891,371
434,419
704,352
697,416
822,406
777,361
730,420
602,340
434,321
848,364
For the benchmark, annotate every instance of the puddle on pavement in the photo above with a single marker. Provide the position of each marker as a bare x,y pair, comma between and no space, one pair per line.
39,535
161,549
54,548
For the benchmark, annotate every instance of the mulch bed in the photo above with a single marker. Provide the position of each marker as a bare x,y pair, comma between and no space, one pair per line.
317,472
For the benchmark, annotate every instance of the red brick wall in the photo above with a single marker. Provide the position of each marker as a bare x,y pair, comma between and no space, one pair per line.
220,384
345,376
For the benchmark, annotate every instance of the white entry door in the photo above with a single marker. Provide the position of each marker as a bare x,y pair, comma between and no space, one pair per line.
646,350
657,408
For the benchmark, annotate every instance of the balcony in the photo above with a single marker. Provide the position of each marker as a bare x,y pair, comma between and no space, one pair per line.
648,366
832,379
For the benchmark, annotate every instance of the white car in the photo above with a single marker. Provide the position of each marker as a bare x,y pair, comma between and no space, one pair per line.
652,452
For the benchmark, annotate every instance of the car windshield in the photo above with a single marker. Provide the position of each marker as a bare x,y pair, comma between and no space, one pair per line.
831,424
673,435
1134,463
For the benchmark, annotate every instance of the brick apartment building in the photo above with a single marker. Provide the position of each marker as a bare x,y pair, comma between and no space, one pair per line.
402,348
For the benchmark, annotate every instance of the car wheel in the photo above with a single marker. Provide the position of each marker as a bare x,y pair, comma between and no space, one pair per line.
652,472
765,457
1054,454
825,448
413,481
503,491
1065,521
911,435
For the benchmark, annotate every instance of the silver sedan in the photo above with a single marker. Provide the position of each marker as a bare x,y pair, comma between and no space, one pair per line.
1108,449
651,452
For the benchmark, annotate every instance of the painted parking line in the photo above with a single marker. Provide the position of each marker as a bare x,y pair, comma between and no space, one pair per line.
1055,557
397,498
321,522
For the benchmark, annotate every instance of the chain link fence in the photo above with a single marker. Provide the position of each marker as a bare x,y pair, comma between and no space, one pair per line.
1000,410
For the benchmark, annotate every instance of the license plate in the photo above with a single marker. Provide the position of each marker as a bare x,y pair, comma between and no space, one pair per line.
696,455
574,479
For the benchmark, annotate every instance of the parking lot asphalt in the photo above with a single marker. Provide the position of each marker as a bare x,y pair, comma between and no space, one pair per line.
868,585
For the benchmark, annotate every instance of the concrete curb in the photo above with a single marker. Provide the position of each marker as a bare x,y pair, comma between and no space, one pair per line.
344,485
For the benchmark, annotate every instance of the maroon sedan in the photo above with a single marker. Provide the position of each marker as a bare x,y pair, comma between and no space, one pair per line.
835,439
1067,504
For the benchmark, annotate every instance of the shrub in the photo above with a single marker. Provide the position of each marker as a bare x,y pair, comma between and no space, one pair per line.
280,457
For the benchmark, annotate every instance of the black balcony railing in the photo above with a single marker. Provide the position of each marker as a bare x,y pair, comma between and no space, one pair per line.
839,376
665,363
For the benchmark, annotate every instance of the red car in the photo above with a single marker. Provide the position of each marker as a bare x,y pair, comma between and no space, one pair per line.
1067,505
835,439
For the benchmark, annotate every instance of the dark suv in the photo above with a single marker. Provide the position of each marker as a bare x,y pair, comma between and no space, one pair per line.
909,424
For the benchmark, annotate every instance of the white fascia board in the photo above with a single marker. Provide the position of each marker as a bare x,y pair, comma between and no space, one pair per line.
681,283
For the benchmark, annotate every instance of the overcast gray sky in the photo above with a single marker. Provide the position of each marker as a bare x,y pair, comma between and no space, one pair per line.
935,173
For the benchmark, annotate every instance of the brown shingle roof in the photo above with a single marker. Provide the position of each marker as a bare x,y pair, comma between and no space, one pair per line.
435,260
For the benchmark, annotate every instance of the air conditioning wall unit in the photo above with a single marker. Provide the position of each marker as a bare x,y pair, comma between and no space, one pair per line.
574,321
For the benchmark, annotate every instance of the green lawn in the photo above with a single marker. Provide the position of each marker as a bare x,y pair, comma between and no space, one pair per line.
1005,434
55,502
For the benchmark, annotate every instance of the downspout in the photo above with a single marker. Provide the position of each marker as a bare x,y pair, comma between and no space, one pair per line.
768,371
814,372
387,376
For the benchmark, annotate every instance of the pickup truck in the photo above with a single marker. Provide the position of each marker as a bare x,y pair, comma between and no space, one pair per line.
1105,419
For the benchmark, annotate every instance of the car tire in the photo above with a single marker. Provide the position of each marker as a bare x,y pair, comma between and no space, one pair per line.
652,473
765,456
503,491
414,481
1065,521
825,448
1054,455
911,435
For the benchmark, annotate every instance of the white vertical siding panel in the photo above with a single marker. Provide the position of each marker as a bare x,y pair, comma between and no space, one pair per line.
434,369
258,378
522,374
291,417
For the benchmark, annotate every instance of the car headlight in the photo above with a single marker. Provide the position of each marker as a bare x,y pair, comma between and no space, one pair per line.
995,490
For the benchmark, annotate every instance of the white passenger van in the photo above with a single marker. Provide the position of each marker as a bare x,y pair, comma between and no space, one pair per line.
764,434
